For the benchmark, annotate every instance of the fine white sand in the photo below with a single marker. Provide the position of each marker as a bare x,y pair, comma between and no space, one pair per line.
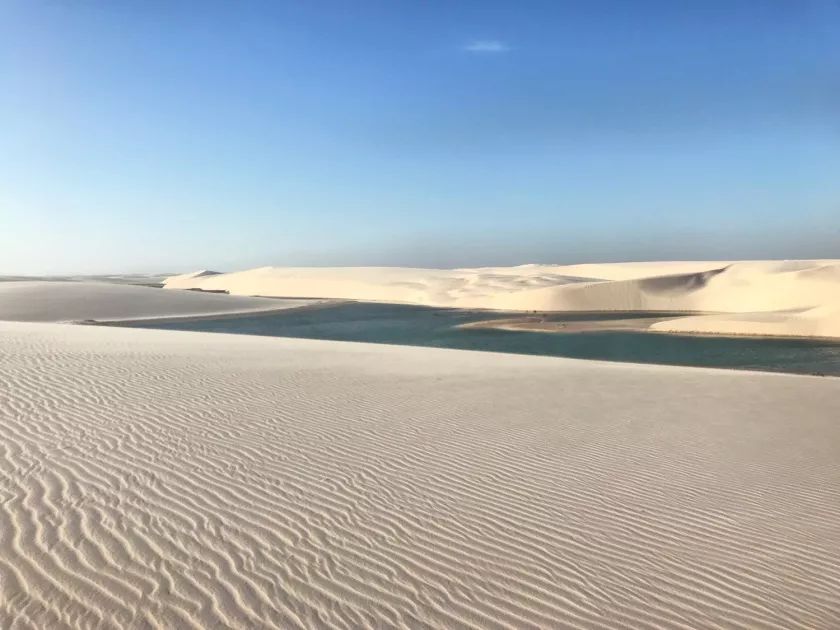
161,479
823,321
76,301
800,298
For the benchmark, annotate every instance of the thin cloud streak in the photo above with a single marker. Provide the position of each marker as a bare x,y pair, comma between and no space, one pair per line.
487,46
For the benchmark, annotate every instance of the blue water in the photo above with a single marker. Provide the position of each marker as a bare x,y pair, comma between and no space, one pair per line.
420,326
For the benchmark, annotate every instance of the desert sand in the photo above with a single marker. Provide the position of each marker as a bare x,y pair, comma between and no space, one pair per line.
41,301
163,479
789,298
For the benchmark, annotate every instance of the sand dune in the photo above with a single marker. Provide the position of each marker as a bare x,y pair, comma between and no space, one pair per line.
185,277
428,287
157,479
738,287
77,301
787,297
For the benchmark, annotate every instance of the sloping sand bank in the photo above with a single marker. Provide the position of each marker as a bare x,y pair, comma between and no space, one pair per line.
78,301
187,480
822,321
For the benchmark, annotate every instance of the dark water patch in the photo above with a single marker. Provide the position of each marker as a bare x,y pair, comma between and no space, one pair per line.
434,327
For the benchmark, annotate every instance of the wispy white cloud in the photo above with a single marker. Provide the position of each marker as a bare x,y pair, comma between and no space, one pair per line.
487,46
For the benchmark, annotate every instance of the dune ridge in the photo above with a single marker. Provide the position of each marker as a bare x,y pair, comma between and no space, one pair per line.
159,479
794,298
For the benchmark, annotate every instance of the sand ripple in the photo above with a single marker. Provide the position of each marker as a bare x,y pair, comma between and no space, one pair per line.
153,479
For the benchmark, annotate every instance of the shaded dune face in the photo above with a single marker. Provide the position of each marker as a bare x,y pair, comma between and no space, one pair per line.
679,284
823,272
153,479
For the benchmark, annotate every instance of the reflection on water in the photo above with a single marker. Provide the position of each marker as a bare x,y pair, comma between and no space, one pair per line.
420,326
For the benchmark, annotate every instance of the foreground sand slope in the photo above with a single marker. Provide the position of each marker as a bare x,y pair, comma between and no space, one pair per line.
802,296
187,480
77,301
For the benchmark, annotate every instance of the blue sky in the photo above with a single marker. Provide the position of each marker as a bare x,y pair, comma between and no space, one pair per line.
156,136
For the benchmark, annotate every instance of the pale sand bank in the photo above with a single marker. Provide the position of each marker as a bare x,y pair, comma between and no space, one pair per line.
176,480
821,321
542,324
799,298
78,301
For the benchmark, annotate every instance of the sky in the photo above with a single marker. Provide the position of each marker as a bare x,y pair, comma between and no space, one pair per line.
164,136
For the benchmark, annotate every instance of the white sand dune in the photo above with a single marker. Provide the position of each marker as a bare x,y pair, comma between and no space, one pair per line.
160,479
428,287
737,287
711,286
800,298
76,301
185,277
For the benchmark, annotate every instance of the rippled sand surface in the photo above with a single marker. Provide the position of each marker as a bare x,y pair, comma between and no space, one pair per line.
158,479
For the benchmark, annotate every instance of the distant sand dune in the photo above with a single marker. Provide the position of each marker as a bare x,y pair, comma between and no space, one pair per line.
777,287
77,301
160,479
428,287
204,273
140,279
